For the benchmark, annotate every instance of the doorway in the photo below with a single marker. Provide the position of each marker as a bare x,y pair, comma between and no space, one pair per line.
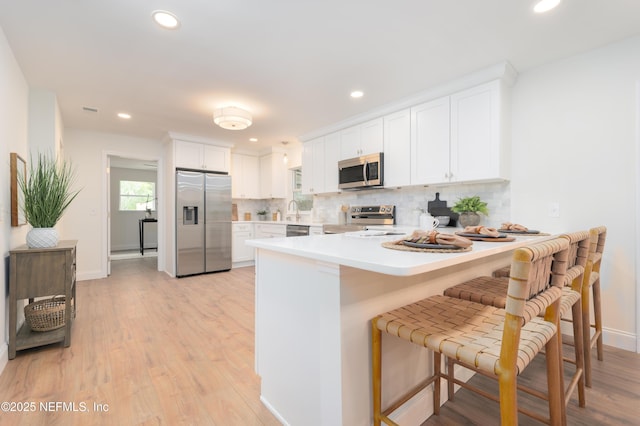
132,209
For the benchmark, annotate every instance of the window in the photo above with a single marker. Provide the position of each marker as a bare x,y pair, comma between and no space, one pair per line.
304,201
137,196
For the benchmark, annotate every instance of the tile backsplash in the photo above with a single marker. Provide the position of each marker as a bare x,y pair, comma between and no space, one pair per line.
409,202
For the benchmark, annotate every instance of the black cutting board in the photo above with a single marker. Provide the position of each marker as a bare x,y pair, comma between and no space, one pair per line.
439,207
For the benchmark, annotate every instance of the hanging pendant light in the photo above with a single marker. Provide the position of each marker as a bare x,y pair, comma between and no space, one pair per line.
232,118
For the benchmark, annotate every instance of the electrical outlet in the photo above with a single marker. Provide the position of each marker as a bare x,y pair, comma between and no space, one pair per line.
554,209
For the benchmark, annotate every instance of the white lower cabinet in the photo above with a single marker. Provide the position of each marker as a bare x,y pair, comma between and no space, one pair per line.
315,230
270,230
240,252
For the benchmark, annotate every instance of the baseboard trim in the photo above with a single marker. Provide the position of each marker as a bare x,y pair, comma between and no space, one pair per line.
619,339
4,356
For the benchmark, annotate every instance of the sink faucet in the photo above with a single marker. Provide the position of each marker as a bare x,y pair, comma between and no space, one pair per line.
297,209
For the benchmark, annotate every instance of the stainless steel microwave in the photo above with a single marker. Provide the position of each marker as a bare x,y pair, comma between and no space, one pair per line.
361,172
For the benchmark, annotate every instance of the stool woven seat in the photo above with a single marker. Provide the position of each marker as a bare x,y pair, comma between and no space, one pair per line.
463,330
492,291
498,342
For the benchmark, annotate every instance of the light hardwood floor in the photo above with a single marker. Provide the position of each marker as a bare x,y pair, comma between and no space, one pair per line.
156,350
164,351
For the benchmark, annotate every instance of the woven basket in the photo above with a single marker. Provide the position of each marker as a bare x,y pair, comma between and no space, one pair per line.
45,315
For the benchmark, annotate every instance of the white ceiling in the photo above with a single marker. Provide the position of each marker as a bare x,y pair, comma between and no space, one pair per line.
292,63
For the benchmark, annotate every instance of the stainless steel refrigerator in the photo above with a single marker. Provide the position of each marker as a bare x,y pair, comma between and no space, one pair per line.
203,222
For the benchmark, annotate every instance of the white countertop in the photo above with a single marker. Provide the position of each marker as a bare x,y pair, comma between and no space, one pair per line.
368,254
278,222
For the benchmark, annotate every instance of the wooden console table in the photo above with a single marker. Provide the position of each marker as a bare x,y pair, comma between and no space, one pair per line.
41,272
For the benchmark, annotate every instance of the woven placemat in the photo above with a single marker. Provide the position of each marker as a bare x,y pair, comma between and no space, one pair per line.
489,239
394,245
527,234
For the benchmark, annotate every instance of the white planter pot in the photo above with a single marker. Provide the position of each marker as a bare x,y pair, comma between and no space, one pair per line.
42,238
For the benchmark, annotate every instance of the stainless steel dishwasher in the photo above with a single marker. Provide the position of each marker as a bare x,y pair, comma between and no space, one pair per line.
297,230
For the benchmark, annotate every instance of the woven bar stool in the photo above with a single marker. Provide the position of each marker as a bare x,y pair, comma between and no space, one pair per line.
493,290
590,290
599,236
492,341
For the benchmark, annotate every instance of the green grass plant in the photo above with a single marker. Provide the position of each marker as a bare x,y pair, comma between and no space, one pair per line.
47,190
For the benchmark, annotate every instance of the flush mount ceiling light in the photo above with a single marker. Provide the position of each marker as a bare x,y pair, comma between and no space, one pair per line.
357,94
253,139
545,5
124,115
232,118
165,19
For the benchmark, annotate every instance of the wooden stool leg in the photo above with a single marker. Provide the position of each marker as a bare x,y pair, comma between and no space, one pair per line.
586,334
578,341
554,383
376,366
450,377
437,366
597,310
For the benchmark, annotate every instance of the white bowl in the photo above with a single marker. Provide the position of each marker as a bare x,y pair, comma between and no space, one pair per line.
443,221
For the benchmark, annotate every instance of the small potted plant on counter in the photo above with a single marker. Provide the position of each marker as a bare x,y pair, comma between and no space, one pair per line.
470,209
262,214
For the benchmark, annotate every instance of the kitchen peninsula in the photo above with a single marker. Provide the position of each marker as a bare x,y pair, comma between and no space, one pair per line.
315,297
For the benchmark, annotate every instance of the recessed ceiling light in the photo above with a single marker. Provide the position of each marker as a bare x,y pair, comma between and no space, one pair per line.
165,19
253,139
124,115
545,5
357,94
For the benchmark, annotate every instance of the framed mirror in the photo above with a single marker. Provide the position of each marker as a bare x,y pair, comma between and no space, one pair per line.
18,169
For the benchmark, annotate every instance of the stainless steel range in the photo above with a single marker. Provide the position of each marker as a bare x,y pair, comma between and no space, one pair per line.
362,217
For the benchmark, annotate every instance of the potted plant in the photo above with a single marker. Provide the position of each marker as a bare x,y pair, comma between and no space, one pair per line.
262,215
47,192
469,209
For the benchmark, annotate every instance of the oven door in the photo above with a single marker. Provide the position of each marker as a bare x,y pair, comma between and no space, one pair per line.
361,172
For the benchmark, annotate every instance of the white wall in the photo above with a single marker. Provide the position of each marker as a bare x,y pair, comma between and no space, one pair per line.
574,136
85,220
14,96
45,123
124,224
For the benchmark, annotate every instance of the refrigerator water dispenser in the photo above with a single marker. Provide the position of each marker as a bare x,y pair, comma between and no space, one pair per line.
189,215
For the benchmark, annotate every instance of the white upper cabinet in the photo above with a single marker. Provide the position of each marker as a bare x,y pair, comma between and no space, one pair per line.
331,158
430,142
245,176
273,175
461,137
458,138
313,166
193,155
397,149
320,158
363,139
476,143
